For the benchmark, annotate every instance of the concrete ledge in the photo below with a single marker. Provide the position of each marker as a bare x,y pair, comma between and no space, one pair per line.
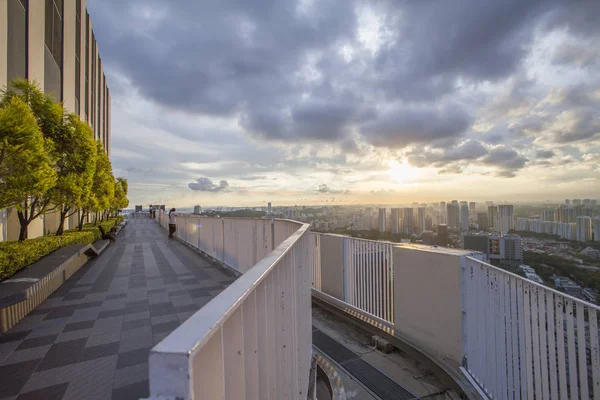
24,291
449,373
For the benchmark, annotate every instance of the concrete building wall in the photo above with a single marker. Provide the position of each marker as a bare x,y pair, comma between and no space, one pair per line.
429,314
332,265
39,63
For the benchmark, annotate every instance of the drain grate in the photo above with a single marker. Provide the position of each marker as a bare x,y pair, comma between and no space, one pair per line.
336,351
378,383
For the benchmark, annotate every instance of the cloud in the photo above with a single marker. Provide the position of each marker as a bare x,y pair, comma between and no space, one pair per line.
403,125
544,154
206,185
324,189
507,160
297,91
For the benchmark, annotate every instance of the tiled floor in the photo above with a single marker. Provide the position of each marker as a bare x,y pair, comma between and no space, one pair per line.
91,338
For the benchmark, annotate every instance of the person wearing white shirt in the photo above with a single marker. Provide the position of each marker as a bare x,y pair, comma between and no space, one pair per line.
172,222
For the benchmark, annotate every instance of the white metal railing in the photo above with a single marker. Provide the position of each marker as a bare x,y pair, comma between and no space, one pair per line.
316,256
524,340
253,340
368,276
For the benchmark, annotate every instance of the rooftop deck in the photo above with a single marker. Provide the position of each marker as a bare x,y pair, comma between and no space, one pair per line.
92,337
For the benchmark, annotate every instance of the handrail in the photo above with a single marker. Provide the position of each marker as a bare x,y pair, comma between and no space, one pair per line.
538,285
210,317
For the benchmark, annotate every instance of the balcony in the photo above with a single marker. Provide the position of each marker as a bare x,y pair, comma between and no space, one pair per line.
506,336
249,334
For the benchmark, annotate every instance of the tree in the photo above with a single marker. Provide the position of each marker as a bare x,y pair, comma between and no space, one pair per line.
103,186
26,171
120,200
49,117
76,164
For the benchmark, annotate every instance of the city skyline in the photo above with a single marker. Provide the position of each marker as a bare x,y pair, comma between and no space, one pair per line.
344,113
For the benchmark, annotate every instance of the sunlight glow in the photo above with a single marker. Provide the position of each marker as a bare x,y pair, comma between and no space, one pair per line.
402,172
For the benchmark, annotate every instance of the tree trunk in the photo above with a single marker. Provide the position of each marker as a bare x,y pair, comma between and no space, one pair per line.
24,222
63,216
83,213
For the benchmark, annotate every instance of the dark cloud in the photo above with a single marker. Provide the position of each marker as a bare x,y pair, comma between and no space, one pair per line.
544,154
277,65
577,54
206,185
506,159
403,125
466,151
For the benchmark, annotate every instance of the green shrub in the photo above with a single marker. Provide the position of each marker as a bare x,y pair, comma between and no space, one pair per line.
15,256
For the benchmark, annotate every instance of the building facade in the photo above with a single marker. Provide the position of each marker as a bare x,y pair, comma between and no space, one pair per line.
421,219
506,218
492,216
407,221
395,222
596,229
584,229
382,220
52,43
464,216
482,221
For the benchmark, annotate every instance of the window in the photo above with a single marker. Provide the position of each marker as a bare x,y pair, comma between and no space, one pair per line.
87,66
17,40
54,43
77,54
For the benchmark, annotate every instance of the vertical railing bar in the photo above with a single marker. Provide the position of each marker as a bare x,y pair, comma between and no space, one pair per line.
552,345
582,355
572,358
528,351
510,367
594,351
543,339
559,303
503,362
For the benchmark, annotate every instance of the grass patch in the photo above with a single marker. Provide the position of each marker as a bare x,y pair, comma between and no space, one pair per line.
14,256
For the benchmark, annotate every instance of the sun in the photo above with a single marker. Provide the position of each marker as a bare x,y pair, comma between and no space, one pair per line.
401,172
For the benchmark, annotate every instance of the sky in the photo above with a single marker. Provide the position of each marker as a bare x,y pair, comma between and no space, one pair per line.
327,102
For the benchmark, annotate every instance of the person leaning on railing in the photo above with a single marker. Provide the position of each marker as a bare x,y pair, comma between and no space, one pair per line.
172,222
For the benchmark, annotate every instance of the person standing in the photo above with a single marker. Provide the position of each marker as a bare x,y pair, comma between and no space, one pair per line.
172,222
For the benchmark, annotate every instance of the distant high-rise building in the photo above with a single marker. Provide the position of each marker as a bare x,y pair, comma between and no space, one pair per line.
475,242
421,219
587,211
523,224
506,218
548,215
568,202
453,211
472,206
576,202
407,221
197,210
594,203
428,223
596,230
587,202
464,216
492,216
584,229
512,248
382,220
569,215
395,223
482,221
427,237
443,213
442,235
269,208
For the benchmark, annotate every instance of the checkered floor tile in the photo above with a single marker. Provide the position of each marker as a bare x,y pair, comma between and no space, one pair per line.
92,337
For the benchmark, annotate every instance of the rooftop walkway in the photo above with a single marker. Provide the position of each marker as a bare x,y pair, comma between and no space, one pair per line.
91,338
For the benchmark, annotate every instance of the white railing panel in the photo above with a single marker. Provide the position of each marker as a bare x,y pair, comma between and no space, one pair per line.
316,259
253,340
536,342
368,283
